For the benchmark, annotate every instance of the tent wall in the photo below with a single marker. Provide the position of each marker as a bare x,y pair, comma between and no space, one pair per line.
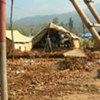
76,44
24,47
8,45
38,37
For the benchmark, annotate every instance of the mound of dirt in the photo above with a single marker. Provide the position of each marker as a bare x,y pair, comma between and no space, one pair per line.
39,53
93,56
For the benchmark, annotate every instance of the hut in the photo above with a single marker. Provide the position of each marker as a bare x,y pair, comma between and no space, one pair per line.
21,42
75,59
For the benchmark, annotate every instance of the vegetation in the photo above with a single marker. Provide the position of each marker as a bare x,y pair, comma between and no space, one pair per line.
56,20
27,32
32,29
71,22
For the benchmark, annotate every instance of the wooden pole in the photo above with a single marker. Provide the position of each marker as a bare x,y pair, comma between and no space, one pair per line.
3,70
93,11
87,23
11,25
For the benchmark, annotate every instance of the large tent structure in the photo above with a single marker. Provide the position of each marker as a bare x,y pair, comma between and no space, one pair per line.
21,42
54,31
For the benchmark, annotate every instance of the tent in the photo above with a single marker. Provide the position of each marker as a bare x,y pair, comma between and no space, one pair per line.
21,42
53,29
87,35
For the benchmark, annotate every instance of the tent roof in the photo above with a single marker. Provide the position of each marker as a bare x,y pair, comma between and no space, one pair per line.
86,35
58,28
51,25
18,37
75,53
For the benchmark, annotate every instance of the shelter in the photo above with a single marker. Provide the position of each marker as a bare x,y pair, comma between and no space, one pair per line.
86,35
55,33
21,42
75,53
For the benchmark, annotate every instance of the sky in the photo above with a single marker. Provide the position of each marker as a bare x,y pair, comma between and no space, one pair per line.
26,8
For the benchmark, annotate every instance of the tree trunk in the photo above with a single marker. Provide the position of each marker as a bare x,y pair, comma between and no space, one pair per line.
11,25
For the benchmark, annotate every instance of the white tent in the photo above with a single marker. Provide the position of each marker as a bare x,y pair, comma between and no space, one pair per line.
21,42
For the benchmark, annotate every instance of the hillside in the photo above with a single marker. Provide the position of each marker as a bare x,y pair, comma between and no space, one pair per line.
35,21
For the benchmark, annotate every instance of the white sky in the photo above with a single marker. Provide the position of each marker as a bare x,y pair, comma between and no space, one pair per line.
25,8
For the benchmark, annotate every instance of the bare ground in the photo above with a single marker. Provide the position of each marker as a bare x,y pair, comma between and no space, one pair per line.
40,79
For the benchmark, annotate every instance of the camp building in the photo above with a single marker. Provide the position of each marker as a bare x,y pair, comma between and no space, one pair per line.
57,34
21,42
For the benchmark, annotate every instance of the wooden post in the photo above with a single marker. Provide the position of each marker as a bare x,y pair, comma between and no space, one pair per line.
3,70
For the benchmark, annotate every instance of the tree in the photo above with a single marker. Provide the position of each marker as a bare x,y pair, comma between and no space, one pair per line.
11,26
71,23
56,20
62,24
84,28
14,28
66,25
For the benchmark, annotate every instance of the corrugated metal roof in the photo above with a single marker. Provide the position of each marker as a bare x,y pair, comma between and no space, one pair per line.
18,37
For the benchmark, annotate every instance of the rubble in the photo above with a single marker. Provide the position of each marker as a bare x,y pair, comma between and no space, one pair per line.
20,72
41,78
98,61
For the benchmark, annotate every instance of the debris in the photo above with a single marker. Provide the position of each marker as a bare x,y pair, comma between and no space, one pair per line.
90,63
20,72
99,90
75,59
98,62
41,76
27,62
32,62
62,65
89,69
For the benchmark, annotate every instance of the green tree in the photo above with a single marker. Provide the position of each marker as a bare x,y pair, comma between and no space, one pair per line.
62,24
56,20
75,30
11,26
71,24
66,26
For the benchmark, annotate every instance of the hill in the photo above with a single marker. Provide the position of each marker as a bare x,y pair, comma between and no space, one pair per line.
36,21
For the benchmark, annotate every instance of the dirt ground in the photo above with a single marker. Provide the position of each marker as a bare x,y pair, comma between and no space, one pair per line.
39,78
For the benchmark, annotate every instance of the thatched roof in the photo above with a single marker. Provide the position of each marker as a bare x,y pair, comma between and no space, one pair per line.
39,36
18,37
